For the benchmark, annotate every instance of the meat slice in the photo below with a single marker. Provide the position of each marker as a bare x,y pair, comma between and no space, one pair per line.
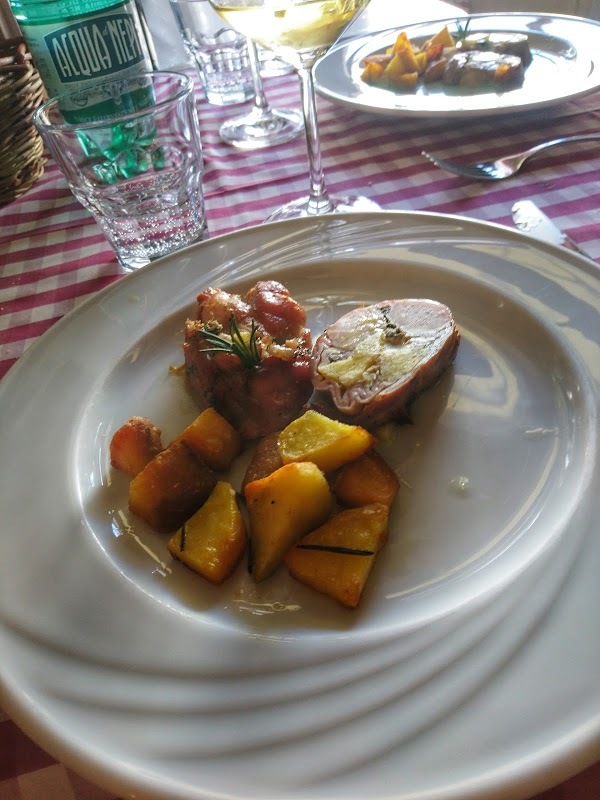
513,44
476,70
372,362
264,394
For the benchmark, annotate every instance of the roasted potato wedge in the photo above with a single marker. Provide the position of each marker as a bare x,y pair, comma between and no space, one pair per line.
171,488
282,508
213,540
134,445
403,61
326,442
372,72
421,62
369,479
402,41
336,559
213,438
443,37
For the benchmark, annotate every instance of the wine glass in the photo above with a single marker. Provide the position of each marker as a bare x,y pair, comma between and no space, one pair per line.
263,126
300,32
221,57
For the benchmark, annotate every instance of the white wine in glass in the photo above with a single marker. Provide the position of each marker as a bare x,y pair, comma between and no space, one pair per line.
300,32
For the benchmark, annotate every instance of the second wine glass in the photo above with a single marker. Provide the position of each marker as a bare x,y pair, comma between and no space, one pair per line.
229,72
262,126
300,32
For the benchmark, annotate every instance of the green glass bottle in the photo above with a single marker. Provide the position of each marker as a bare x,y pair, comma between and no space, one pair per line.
75,42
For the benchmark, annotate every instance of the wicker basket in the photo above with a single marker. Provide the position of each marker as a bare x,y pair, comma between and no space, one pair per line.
21,147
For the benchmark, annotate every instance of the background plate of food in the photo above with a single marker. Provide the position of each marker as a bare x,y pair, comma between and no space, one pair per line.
563,65
154,682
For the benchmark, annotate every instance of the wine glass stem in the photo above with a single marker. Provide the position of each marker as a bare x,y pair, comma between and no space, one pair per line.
260,100
318,200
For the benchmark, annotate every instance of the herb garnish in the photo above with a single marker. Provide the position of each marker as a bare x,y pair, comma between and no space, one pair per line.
247,352
331,548
182,540
393,333
462,28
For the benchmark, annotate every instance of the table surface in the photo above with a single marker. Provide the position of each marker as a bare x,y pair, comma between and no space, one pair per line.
53,255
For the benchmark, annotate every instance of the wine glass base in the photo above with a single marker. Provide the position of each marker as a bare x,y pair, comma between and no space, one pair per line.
304,207
262,129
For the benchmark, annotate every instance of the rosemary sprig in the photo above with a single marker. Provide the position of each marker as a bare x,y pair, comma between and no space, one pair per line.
332,548
462,29
247,352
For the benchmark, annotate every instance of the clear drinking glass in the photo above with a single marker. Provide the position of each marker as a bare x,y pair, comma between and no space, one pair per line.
135,161
300,32
229,73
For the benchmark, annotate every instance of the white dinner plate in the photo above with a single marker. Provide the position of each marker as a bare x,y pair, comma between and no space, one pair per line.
470,668
565,65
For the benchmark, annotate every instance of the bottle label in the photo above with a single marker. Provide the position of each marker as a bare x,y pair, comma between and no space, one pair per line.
105,44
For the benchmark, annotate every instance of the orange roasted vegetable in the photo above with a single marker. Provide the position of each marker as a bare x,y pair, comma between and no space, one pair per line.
171,488
134,445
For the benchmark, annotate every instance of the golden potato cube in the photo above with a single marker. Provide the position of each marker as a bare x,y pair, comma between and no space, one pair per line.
282,508
213,438
421,62
443,37
402,41
369,479
171,488
265,459
403,61
134,445
372,73
213,540
326,442
319,559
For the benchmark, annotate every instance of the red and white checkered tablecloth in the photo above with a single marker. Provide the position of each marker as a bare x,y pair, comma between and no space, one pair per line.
53,255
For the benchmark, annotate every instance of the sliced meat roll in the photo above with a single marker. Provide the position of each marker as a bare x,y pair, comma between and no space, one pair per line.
374,360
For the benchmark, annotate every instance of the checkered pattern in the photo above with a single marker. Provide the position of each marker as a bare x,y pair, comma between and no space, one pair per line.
53,255
28,773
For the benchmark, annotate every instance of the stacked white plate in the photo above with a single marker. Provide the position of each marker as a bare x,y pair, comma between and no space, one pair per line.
471,667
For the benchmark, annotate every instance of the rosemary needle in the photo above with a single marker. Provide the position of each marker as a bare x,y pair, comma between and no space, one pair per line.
246,351
331,548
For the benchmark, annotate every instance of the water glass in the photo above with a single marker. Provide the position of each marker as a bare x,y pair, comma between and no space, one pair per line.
220,53
132,155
